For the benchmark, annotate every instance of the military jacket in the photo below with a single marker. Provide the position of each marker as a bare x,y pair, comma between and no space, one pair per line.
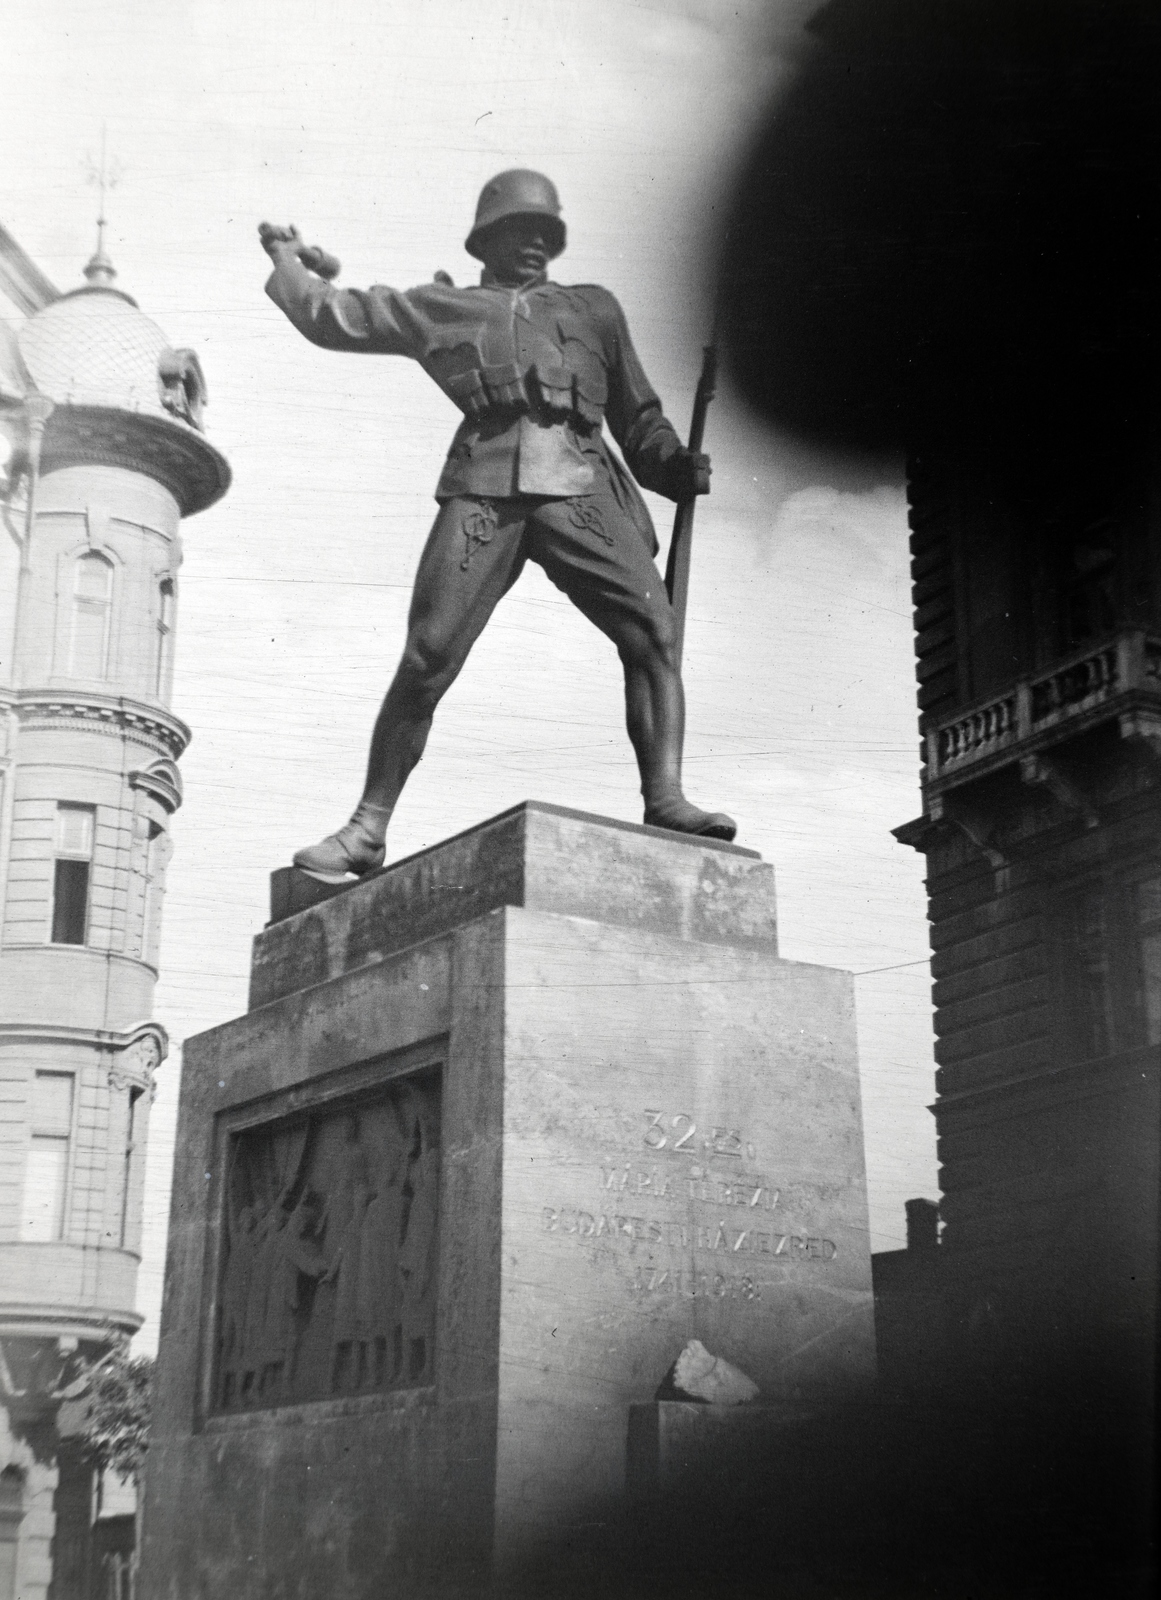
534,370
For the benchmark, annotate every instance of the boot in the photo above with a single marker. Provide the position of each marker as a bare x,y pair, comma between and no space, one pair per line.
351,852
682,816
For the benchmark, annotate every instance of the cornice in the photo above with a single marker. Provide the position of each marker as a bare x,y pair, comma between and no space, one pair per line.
107,1038
175,454
134,1054
1050,1088
31,1321
100,713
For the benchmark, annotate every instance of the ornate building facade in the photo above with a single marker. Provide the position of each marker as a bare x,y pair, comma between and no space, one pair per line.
106,455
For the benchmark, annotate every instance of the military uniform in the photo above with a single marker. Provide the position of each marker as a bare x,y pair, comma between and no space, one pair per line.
529,475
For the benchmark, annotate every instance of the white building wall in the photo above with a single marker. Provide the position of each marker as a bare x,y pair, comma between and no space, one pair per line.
9,583
33,1566
86,662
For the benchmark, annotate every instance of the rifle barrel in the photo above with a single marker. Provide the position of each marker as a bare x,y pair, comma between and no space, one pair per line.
681,544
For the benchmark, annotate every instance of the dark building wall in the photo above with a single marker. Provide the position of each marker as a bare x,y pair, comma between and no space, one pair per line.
1038,645
945,244
72,1536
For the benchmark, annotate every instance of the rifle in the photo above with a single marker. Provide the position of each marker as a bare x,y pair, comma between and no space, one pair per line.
680,546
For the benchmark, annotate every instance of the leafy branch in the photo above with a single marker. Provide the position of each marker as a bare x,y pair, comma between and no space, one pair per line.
118,1406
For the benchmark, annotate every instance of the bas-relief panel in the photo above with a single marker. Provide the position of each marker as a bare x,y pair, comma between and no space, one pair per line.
329,1252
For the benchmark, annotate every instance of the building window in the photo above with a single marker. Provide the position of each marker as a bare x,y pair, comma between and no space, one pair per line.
1110,967
156,860
46,1173
1089,959
71,872
1148,910
92,610
130,1145
165,602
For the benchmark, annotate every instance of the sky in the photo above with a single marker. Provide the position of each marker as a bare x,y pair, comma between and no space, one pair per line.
372,125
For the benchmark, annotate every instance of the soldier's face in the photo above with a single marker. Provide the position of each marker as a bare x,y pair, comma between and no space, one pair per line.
516,250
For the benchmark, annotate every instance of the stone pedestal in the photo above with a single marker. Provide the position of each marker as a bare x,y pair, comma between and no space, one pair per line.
508,1123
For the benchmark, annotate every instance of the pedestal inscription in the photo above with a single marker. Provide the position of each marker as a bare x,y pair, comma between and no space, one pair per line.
329,1250
695,1229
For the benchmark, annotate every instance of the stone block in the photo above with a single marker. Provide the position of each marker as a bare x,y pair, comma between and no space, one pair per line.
543,857
570,1050
682,1451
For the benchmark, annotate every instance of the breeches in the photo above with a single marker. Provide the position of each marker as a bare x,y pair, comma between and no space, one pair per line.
587,545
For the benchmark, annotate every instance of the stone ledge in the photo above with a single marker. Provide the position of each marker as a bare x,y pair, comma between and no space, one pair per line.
539,856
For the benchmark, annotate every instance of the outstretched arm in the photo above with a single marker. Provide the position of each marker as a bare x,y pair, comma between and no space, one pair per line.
377,320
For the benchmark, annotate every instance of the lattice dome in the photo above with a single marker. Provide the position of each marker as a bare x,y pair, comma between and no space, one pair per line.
95,348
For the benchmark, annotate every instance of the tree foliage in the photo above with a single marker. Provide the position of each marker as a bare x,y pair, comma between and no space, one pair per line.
118,1406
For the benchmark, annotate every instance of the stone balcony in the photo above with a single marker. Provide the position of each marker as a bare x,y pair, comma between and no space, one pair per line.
1118,681
61,1287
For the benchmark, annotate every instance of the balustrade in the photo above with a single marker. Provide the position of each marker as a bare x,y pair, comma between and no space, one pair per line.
1094,685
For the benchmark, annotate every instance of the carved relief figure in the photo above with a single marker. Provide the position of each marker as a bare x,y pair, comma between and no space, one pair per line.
330,1242
417,1252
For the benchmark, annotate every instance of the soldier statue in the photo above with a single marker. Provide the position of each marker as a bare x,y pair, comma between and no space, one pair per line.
535,368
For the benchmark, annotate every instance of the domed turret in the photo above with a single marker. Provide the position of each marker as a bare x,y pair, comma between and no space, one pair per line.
94,347
99,359
108,454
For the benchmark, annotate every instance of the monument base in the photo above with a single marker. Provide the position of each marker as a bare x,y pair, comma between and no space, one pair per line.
508,1124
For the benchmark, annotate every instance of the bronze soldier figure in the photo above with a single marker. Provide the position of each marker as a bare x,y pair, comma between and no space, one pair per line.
535,368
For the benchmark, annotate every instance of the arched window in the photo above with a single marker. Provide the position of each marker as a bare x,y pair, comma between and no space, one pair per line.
165,600
92,610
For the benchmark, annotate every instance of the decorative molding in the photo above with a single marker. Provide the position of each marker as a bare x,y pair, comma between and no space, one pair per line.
134,1064
116,521
182,385
103,1038
1039,770
923,832
163,781
97,519
113,714
170,451
132,1056
102,1324
1143,728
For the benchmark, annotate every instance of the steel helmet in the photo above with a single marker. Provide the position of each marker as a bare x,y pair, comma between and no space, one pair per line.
517,193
